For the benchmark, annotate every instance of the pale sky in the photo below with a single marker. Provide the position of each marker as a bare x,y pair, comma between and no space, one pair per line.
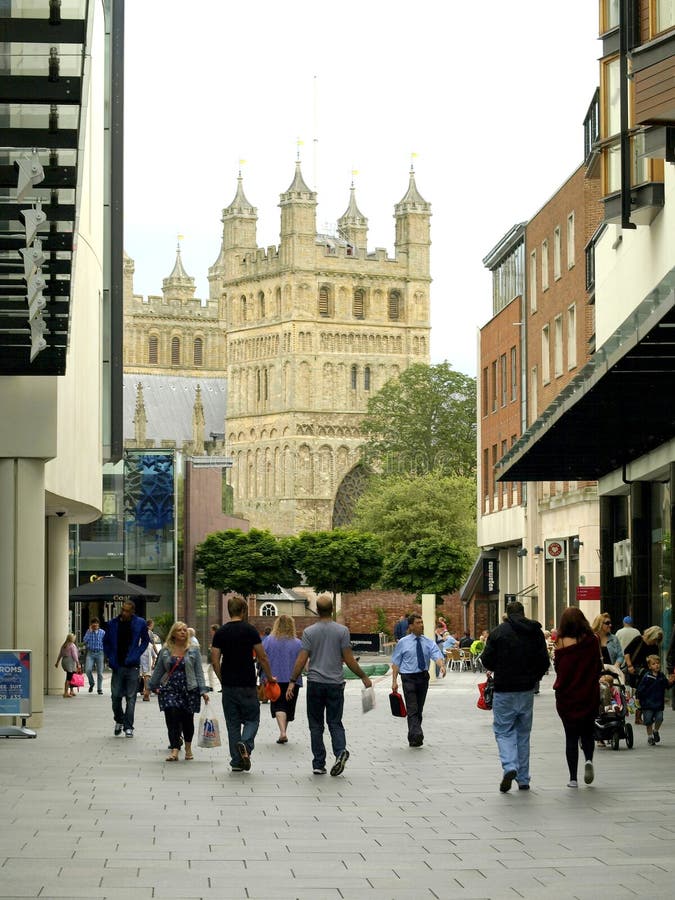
490,97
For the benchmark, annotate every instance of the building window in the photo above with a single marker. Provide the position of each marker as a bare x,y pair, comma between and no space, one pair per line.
266,387
175,351
545,355
486,480
665,15
572,336
358,307
198,352
485,392
354,376
268,609
570,241
394,305
366,378
502,375
557,250
544,265
324,300
153,350
261,305
610,15
558,346
514,374
493,386
533,281
243,308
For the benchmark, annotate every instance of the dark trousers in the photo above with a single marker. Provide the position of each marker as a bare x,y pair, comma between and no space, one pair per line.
415,687
578,732
124,686
179,722
241,709
325,700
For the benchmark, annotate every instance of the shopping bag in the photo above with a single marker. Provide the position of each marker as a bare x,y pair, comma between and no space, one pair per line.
486,691
397,704
209,731
367,699
77,680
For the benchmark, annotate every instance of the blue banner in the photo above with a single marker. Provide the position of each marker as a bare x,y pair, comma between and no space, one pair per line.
15,683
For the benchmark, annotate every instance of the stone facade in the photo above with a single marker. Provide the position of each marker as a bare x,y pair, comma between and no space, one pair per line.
305,332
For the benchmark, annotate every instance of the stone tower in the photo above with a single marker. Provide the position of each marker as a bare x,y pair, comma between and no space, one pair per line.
313,328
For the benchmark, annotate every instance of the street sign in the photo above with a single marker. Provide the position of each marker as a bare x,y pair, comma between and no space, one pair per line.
554,549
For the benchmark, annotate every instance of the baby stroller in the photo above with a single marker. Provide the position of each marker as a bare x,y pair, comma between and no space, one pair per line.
611,725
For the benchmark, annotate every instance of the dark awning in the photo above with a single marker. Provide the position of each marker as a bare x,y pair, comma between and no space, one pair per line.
110,588
618,408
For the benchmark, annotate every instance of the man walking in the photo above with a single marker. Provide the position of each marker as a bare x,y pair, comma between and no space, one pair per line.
232,649
326,646
126,637
401,628
516,654
412,657
93,641
628,633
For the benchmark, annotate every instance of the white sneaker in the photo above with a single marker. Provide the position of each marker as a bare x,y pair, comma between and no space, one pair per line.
572,784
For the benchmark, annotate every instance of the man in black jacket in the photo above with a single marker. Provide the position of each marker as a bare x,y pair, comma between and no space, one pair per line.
516,654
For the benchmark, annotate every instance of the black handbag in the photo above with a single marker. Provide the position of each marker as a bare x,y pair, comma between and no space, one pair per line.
397,704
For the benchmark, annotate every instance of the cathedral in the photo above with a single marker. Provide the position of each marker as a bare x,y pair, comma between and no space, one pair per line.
304,333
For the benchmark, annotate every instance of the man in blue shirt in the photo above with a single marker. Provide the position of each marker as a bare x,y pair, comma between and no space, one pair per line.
93,641
412,657
401,628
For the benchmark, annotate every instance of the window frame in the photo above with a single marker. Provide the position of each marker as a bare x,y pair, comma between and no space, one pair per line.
545,354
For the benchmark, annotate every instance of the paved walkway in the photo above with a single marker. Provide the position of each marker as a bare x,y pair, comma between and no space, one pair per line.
85,814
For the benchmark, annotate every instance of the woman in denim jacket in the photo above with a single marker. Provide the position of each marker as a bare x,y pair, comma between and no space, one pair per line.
178,679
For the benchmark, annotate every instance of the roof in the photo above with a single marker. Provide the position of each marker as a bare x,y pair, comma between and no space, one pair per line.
617,409
413,200
169,402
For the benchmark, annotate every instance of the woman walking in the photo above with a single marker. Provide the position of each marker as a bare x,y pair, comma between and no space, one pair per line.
70,663
178,678
282,648
636,653
578,666
610,648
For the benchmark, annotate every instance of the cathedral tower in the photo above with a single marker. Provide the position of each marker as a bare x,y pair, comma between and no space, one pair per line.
313,328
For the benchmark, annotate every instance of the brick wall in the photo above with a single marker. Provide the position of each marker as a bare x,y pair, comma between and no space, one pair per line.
359,611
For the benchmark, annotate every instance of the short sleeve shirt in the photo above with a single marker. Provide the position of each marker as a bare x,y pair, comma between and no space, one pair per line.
236,641
324,642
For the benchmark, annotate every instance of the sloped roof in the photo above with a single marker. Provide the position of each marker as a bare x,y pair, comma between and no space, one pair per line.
169,402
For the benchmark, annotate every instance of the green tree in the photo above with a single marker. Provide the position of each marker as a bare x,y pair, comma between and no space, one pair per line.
335,561
432,565
251,562
423,421
398,509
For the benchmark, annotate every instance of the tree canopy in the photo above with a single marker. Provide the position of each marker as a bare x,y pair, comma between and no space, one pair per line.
400,509
433,565
251,562
335,561
423,421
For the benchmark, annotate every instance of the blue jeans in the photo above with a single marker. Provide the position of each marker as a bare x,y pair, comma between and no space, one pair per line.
241,709
512,724
329,699
94,660
124,686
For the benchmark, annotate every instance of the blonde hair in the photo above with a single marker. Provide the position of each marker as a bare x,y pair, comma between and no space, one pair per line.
653,658
284,627
70,639
598,620
653,635
171,636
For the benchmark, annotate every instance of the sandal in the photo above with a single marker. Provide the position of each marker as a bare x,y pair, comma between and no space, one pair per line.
282,740
189,756
173,758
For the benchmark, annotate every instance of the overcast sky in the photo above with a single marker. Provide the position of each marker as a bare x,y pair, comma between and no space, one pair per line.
490,97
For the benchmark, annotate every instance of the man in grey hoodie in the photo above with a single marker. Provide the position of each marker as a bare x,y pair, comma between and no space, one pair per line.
516,654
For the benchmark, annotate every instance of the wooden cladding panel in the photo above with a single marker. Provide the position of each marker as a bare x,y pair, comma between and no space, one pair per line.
655,93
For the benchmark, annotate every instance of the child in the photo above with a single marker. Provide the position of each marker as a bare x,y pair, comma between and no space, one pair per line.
651,692
610,698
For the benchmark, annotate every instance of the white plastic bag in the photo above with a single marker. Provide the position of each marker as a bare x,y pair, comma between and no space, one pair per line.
367,699
209,731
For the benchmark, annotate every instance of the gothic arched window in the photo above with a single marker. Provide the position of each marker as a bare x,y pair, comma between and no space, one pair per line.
324,300
153,350
394,305
358,304
354,376
366,378
268,609
261,305
198,352
175,351
242,309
